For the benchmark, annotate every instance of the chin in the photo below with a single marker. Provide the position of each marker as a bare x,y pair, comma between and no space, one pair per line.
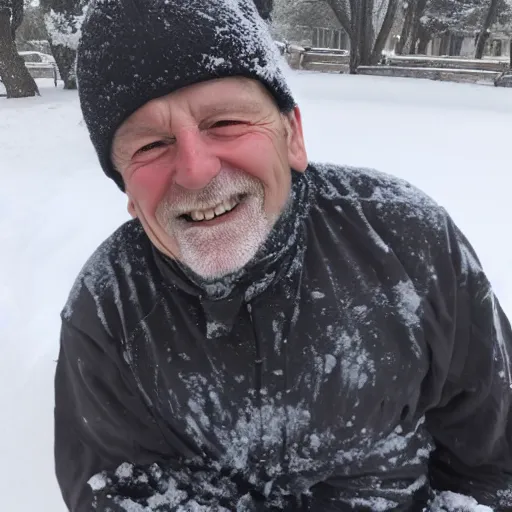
217,248
216,266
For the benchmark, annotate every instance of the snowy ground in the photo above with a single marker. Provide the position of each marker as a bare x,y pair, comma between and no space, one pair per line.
55,207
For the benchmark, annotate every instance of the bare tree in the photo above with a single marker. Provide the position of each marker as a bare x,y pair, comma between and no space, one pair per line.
367,37
357,19
490,18
14,74
385,30
446,18
443,18
32,28
414,11
367,23
419,11
63,20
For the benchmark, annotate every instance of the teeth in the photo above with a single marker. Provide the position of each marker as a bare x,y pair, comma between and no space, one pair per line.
219,210
226,206
197,215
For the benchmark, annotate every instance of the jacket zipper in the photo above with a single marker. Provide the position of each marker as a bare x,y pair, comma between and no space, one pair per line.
258,378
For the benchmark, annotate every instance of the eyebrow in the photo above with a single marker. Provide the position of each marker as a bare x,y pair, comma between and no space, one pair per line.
247,107
139,130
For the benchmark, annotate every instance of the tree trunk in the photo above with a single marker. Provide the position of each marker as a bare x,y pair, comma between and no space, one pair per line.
456,46
14,74
63,19
490,18
366,32
65,58
354,56
384,31
342,15
424,38
350,24
406,29
419,9
17,16
445,44
480,44
355,48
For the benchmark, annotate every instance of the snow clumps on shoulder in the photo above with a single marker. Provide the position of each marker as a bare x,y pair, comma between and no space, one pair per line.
112,261
384,191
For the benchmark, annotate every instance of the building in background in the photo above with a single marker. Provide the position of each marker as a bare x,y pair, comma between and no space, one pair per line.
313,23
459,43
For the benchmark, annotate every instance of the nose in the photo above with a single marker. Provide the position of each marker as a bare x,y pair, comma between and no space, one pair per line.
195,164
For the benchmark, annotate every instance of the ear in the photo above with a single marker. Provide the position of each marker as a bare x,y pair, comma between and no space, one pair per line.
131,208
297,155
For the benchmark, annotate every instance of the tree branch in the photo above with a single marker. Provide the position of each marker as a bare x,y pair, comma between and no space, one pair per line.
17,16
343,16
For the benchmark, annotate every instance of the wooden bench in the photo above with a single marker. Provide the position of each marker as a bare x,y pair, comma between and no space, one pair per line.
43,70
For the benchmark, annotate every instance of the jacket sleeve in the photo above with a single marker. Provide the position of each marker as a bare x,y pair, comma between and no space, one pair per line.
110,454
472,421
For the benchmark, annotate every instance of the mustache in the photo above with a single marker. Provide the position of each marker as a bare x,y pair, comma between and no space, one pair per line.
226,185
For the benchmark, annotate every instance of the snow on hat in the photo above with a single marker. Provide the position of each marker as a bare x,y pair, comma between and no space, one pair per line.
133,51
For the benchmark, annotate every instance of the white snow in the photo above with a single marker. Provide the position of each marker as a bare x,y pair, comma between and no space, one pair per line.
65,30
56,206
452,501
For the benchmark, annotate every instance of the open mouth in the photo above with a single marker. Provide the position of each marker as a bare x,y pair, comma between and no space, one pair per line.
223,208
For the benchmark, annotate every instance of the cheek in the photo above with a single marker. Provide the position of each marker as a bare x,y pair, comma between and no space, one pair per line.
148,185
265,159
260,156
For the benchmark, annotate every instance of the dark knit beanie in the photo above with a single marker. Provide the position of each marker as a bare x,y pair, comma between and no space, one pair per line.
133,51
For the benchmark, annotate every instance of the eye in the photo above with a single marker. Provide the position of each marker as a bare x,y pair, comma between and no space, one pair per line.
228,128
149,147
226,122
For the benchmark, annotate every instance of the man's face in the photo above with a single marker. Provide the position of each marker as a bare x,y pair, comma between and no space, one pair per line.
207,171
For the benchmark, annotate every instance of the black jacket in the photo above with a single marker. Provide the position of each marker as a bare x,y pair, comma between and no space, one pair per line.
359,363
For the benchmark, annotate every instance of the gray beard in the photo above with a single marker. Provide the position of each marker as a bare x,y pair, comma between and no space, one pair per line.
215,251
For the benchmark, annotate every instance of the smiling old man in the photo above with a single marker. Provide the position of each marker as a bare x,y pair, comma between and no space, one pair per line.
266,333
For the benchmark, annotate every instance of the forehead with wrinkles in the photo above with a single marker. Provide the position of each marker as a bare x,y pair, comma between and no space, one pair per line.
213,98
